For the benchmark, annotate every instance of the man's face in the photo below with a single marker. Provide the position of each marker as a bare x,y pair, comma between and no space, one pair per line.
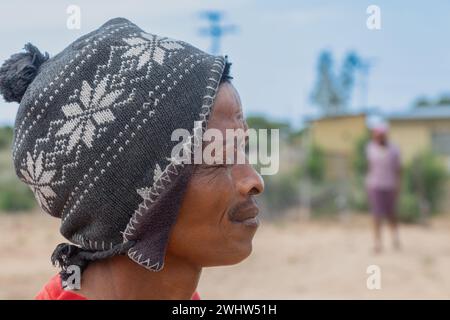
216,222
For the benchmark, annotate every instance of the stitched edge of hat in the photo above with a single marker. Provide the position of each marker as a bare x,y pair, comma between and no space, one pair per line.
174,167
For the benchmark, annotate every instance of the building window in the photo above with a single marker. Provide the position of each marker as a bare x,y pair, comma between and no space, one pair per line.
440,142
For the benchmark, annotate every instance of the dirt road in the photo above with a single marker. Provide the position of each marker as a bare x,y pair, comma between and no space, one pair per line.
291,260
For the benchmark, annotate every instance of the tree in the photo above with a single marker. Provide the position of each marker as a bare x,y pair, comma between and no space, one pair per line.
326,93
444,100
332,93
422,102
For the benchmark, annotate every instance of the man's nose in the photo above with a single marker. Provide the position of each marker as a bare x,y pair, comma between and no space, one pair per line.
248,181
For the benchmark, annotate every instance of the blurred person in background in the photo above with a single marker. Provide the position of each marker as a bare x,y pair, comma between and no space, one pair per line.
383,182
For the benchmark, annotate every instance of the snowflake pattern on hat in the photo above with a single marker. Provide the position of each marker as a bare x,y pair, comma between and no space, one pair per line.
92,111
39,180
150,47
93,133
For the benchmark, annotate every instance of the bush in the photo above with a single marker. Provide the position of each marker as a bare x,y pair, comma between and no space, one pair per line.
360,164
16,196
408,209
423,186
6,136
425,178
358,195
281,192
314,167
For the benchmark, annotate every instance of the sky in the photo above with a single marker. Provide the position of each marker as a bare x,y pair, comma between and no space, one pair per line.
275,50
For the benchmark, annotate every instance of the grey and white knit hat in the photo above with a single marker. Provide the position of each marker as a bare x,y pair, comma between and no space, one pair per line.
92,136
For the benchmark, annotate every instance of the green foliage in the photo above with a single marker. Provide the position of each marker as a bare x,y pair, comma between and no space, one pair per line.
296,135
422,102
6,135
360,160
358,195
326,93
443,100
332,91
408,208
314,167
261,122
425,178
281,192
14,194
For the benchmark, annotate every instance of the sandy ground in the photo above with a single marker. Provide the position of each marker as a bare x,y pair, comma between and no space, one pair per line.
291,260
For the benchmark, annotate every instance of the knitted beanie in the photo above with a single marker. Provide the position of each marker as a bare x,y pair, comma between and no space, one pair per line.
92,136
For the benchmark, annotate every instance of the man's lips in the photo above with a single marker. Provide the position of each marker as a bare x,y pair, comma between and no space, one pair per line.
246,215
250,222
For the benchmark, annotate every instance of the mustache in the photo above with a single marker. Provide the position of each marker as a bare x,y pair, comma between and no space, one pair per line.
249,204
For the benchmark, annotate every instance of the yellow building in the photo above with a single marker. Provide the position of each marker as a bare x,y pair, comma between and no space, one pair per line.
418,130
415,131
426,128
338,135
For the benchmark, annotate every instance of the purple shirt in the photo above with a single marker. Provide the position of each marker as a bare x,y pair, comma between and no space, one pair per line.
384,166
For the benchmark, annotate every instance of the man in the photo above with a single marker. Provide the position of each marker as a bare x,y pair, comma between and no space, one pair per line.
383,182
93,140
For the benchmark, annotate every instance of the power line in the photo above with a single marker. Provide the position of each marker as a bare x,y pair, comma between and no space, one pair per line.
216,30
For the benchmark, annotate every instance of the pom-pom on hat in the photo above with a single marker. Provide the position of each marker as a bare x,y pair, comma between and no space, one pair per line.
92,136
19,71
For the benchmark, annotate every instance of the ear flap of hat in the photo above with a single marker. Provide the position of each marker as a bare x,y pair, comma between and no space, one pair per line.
151,225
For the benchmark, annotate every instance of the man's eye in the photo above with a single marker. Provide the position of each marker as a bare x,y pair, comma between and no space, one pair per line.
210,170
217,165
213,167
209,167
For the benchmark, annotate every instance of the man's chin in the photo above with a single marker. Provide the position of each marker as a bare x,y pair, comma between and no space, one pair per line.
238,255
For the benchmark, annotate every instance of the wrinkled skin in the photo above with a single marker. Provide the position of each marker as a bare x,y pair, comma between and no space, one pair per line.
215,226
205,232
